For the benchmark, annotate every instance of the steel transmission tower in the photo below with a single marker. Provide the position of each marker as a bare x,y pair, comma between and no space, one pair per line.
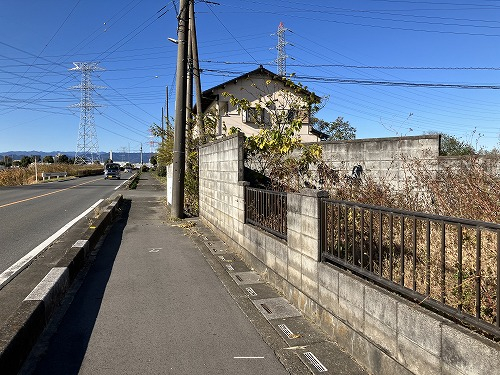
281,60
87,148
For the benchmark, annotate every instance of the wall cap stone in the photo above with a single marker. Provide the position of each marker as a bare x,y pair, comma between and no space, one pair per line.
222,139
389,139
313,193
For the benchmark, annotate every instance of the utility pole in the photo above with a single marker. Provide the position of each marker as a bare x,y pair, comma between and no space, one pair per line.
196,70
189,93
180,113
167,119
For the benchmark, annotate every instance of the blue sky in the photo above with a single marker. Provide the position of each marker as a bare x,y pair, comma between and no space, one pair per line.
356,54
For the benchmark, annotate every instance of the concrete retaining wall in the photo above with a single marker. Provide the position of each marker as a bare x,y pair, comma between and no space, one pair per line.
382,331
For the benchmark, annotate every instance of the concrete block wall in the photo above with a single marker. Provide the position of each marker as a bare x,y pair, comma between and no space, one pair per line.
381,158
384,332
221,196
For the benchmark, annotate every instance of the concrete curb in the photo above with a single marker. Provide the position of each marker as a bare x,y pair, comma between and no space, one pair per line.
21,331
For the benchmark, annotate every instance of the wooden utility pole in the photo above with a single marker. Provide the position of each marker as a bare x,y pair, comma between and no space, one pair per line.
189,86
196,70
180,113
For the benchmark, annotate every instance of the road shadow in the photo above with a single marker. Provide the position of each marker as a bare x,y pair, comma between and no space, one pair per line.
66,349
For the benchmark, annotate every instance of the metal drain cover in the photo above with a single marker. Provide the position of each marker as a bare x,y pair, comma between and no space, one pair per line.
216,247
288,333
311,358
276,308
251,292
246,277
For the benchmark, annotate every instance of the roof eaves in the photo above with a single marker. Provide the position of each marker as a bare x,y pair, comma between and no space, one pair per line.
209,94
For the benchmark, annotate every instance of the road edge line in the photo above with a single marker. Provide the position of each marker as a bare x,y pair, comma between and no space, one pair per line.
25,261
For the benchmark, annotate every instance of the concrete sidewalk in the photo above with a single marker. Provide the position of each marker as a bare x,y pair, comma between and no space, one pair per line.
170,298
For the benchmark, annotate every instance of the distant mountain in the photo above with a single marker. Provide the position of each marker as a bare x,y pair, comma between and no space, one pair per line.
133,157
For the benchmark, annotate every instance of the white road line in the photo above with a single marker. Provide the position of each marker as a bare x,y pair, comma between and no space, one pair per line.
119,186
248,357
26,260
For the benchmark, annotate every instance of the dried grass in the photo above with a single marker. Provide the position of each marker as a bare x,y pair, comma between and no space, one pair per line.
468,191
26,176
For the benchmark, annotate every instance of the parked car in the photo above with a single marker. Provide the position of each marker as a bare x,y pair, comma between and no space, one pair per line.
112,170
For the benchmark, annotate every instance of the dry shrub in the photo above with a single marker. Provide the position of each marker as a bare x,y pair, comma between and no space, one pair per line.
15,176
465,190
26,176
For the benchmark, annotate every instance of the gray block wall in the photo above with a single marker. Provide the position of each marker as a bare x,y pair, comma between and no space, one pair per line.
384,332
383,159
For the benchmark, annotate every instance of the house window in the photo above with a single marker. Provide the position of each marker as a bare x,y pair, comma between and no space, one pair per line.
252,115
294,114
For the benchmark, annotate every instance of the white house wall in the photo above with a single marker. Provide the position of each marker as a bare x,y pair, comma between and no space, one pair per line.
248,89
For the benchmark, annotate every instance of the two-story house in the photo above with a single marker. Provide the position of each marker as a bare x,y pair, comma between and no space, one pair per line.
270,98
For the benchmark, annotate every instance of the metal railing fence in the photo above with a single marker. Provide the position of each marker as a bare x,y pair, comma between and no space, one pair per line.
448,265
267,210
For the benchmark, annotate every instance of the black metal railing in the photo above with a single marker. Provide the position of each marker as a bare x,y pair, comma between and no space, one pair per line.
448,265
267,210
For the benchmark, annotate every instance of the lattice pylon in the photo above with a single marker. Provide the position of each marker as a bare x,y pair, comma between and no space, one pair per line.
281,60
87,147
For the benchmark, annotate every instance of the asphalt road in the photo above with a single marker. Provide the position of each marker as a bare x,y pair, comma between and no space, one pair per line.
30,214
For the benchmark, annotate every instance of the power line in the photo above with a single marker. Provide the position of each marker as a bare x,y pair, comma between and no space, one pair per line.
230,33
373,82
381,67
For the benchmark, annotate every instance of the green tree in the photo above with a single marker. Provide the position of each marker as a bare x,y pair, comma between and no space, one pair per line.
25,161
48,159
194,137
62,158
338,130
279,111
7,161
452,146
165,151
